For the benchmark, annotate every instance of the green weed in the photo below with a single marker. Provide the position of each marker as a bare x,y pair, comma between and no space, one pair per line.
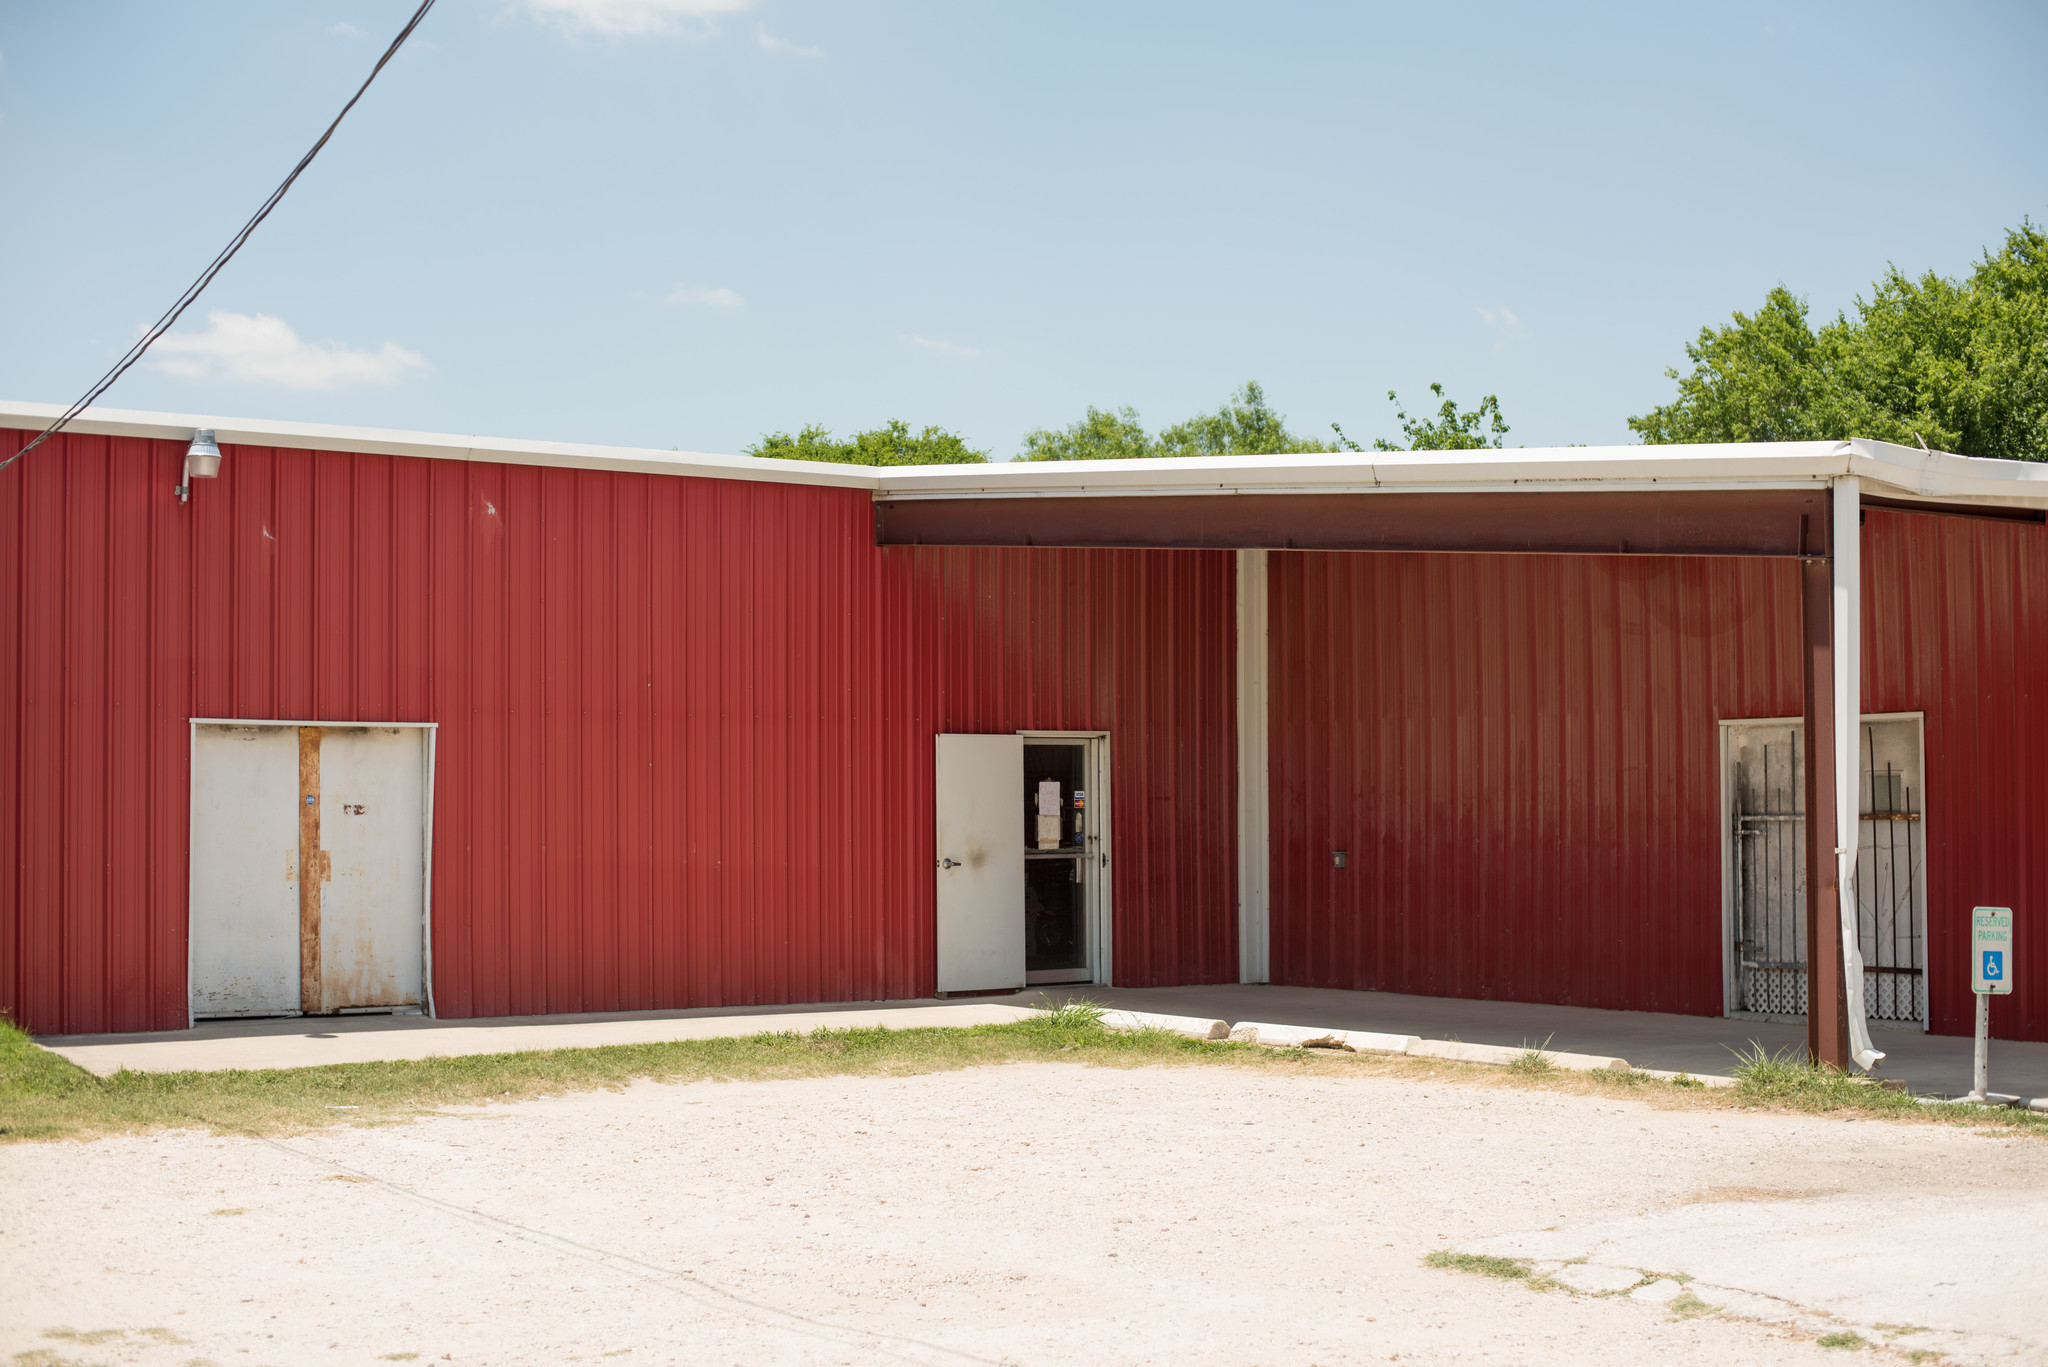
1487,1265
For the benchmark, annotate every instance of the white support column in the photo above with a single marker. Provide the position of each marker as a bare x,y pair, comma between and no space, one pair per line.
1254,872
1848,651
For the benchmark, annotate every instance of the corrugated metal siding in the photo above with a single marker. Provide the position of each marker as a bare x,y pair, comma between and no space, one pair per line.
1955,620
1141,644
1520,756
685,745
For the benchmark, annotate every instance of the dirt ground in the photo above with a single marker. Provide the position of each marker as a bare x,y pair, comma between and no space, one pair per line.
1029,1214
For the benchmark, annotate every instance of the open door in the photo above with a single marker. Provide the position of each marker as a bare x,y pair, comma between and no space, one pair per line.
980,863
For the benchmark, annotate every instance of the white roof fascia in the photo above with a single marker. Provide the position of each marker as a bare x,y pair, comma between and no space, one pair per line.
307,436
1936,476
1887,470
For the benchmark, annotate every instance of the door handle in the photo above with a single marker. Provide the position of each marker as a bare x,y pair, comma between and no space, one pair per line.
950,864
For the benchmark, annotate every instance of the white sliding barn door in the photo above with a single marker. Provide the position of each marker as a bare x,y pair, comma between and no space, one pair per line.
980,863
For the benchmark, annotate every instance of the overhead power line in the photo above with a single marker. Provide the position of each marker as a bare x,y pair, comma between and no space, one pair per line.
227,253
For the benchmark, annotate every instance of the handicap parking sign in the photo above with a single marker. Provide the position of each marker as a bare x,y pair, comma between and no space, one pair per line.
1991,949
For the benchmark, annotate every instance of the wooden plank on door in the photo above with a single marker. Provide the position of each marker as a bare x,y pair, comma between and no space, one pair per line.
312,869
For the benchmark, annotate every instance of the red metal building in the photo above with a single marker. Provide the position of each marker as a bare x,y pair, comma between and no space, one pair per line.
683,713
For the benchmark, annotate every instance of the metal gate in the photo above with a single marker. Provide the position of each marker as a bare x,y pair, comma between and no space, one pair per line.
1766,783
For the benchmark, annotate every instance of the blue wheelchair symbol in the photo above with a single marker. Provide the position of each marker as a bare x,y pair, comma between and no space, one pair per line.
1994,965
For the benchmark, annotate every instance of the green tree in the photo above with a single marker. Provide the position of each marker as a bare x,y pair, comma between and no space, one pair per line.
1099,436
1449,430
1245,425
1960,364
891,444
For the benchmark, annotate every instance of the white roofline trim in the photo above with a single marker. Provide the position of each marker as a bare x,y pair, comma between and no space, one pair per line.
377,441
1886,470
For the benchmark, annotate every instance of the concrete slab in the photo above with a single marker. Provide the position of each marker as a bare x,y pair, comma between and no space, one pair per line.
313,1041
1963,1265
1937,1065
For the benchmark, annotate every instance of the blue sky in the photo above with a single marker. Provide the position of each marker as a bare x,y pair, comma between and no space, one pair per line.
687,222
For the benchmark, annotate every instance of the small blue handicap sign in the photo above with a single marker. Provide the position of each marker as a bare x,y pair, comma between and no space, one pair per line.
1994,965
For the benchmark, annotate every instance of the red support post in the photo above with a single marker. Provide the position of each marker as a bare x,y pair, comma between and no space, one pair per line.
1827,1000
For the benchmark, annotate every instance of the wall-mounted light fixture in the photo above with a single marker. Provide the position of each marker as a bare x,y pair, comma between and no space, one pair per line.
202,461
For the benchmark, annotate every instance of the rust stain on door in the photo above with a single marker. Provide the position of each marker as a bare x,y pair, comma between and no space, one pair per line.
313,864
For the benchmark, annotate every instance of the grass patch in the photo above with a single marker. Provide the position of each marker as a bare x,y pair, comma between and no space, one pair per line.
44,1097
1532,1062
1788,1078
1487,1265
1843,1338
1687,1306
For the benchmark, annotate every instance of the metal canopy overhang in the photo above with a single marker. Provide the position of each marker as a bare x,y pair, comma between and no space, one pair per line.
1786,523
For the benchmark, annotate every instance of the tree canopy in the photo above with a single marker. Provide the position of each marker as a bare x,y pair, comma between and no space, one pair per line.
1449,430
1960,364
1246,425
890,444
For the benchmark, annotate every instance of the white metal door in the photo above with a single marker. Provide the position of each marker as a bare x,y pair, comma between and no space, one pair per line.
980,858
373,828
245,867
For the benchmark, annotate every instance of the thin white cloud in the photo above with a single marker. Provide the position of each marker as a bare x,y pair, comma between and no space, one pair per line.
344,30
634,18
259,349
944,348
1503,324
782,47
719,298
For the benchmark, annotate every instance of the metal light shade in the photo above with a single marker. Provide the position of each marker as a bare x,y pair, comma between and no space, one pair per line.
202,457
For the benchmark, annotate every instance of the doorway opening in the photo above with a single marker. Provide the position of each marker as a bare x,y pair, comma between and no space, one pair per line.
1065,855
1764,855
311,850
1022,860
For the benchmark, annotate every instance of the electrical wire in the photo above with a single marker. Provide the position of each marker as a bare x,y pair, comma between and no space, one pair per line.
227,253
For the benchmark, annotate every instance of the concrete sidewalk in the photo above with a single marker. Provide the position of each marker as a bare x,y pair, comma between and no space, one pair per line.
313,1041
1935,1065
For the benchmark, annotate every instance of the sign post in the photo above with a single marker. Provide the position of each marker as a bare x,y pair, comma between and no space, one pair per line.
1990,976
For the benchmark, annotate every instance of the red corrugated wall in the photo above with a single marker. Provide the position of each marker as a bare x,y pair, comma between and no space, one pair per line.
1519,754
684,752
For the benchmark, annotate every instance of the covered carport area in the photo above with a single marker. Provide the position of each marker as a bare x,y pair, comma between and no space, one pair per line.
1793,513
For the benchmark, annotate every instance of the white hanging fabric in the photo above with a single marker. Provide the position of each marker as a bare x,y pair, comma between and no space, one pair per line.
1848,648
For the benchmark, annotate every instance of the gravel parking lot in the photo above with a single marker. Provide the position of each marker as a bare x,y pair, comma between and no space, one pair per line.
1030,1214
